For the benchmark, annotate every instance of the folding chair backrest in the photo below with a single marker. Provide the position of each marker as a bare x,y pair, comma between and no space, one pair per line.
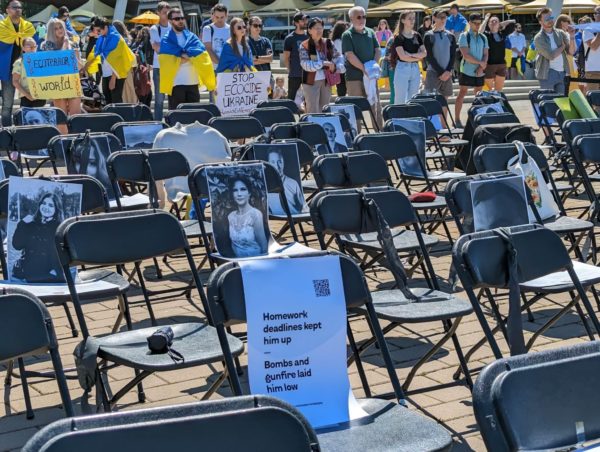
572,128
548,110
593,97
350,169
237,127
120,131
558,385
188,116
20,117
495,118
26,139
409,110
130,112
587,148
432,106
9,168
94,122
94,198
212,108
361,102
481,257
287,103
284,131
343,211
114,143
236,423
132,166
269,116
305,153
313,134
389,145
495,157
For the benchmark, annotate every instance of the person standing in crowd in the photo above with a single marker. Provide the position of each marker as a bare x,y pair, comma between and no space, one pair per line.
580,51
184,63
409,50
157,32
215,34
318,58
13,29
336,37
64,15
19,77
236,55
291,53
592,53
142,49
551,45
425,26
360,46
519,47
440,45
58,39
495,71
261,48
456,22
117,59
129,95
474,49
563,22
41,30
383,33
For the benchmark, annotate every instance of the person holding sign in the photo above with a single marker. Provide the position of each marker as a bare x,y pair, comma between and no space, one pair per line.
57,39
236,55
184,63
13,29
19,78
321,65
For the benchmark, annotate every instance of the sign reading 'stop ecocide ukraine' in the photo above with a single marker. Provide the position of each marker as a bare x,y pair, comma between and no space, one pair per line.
238,93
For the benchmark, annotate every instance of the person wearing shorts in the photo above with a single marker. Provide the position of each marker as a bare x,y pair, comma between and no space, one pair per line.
496,34
474,49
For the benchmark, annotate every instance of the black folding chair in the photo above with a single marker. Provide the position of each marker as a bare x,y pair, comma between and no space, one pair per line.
565,415
211,108
269,116
237,127
188,116
593,97
349,131
25,117
434,108
404,111
122,129
30,143
287,103
130,112
358,220
27,330
118,239
309,132
9,168
350,170
363,104
94,122
261,423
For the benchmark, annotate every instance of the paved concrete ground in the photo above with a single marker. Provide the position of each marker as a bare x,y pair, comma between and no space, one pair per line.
451,405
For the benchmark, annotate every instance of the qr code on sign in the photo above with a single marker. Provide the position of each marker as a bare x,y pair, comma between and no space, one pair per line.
321,287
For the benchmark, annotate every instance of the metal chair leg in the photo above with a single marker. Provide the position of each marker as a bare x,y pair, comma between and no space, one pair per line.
26,395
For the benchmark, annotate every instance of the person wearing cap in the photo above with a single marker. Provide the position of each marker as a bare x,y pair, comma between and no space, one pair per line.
440,45
474,50
551,45
291,53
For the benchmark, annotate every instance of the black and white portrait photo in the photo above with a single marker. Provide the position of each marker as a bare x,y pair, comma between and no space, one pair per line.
348,111
140,136
35,210
498,203
415,128
333,130
38,116
284,158
240,221
88,155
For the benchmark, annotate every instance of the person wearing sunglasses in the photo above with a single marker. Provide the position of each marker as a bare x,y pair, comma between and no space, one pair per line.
259,45
551,45
64,15
592,52
236,55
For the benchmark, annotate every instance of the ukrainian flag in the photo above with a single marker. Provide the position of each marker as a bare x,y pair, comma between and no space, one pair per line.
169,58
8,38
115,51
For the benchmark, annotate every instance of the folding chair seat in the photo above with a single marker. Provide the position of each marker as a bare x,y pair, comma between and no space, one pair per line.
269,116
564,413
148,129
130,112
343,214
27,330
94,122
363,104
404,111
403,429
127,238
31,145
58,117
260,423
238,127
521,259
287,103
188,116
211,108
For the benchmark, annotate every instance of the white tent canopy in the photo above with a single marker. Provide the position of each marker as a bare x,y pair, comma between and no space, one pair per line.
44,15
93,8
284,5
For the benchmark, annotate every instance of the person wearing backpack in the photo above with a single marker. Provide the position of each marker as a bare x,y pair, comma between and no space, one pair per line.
156,34
474,49
440,45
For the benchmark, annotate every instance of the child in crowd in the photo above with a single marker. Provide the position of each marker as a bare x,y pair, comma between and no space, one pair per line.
19,78
279,92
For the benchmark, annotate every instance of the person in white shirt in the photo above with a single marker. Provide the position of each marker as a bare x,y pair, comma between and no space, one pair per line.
215,35
156,33
591,42
518,46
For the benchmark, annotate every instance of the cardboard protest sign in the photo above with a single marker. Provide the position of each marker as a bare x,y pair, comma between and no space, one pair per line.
238,93
53,74
297,336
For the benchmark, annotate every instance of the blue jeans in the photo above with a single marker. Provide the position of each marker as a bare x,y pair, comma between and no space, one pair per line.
158,96
8,99
407,79
555,81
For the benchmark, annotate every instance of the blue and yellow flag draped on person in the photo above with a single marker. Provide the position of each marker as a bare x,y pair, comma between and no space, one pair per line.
9,37
115,51
169,58
230,62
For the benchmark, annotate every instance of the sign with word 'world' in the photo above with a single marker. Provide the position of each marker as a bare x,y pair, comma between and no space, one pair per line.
238,93
53,74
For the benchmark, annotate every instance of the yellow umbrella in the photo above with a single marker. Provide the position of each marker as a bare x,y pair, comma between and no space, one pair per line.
78,26
147,18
